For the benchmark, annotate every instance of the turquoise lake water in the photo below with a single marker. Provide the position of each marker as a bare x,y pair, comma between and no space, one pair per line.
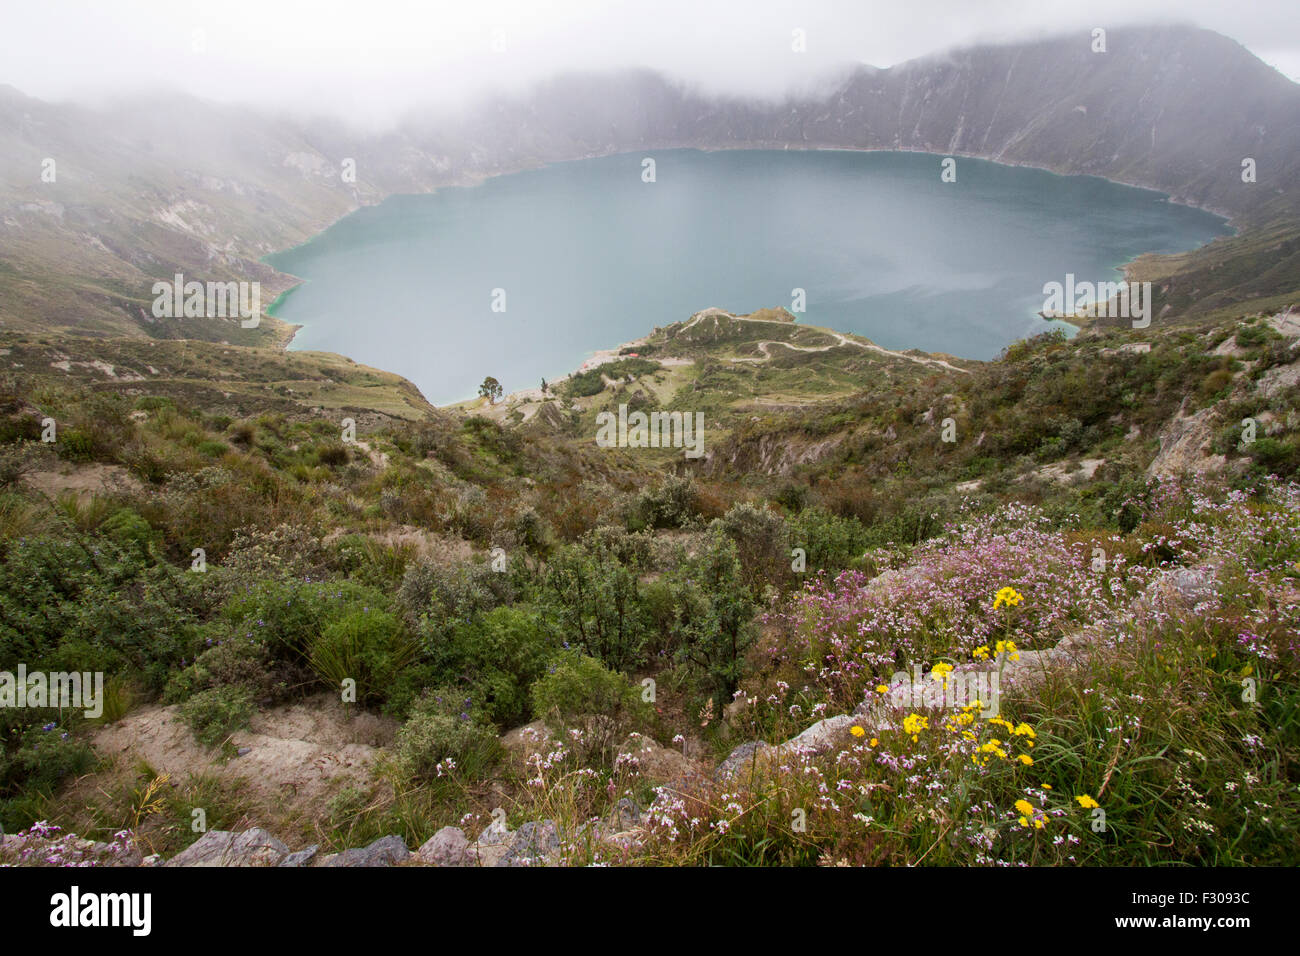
590,256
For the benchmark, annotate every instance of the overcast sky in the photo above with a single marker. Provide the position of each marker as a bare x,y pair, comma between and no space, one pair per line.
376,58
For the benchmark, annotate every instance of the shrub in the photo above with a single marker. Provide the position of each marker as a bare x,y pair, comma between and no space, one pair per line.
332,454
498,655
596,598
445,735
224,663
375,563
215,714
580,692
287,615
451,593
713,629
368,646
127,527
93,607
671,504
34,763
762,541
830,542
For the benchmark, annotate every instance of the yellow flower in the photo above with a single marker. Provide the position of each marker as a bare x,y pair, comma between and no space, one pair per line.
1047,786
882,689
1024,730
1025,807
914,723
874,741
981,653
857,731
1087,802
1007,596
941,672
1025,759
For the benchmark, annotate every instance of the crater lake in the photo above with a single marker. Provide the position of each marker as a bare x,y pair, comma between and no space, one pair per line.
590,255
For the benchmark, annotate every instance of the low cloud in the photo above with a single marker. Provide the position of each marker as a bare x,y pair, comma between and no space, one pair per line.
372,61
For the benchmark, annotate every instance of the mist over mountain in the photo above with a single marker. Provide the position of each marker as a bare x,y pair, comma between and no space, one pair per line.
153,186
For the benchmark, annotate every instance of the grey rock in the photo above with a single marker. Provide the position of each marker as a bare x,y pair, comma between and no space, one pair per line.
448,847
386,851
491,846
301,857
741,759
1180,589
253,847
822,735
626,815
534,843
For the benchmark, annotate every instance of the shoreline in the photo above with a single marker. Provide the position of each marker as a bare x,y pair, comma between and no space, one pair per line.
597,358
474,179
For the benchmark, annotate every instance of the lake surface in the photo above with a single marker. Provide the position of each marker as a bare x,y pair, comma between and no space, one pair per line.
590,256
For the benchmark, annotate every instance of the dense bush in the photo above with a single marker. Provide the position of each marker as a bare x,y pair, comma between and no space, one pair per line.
215,714
368,646
673,503
224,663
91,605
445,594
713,626
830,543
445,735
286,614
495,658
34,760
762,543
582,693
594,593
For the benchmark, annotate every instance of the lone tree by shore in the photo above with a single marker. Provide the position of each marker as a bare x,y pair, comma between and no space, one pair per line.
490,389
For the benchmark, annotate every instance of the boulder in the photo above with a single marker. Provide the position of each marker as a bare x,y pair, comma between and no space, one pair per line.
659,764
822,735
301,857
536,842
626,815
491,846
386,851
528,739
1179,589
742,759
253,847
448,847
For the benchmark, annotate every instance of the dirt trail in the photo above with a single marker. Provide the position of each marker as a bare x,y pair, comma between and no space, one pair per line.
842,340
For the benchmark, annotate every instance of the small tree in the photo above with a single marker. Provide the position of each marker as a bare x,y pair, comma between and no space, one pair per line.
490,389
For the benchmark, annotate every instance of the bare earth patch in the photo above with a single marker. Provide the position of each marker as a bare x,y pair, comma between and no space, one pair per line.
295,756
83,480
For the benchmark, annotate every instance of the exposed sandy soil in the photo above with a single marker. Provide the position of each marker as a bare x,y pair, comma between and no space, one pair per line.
296,755
83,480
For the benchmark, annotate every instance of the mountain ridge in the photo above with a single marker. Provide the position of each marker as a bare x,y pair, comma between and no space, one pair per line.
186,201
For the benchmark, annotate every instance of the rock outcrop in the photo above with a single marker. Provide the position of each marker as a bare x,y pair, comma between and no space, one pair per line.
253,847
